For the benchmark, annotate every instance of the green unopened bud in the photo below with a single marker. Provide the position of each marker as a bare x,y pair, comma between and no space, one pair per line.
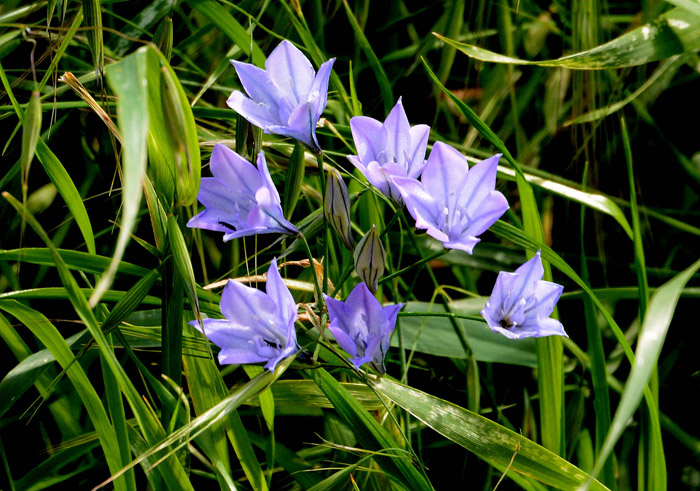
163,37
369,259
336,207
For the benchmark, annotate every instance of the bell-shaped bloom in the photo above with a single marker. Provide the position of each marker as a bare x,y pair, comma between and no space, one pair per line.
453,203
392,148
285,99
240,200
522,302
369,259
362,327
336,207
258,327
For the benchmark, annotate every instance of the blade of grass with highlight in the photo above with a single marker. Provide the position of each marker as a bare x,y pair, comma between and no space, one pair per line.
395,461
657,320
653,446
549,349
127,79
674,32
173,474
490,441
49,336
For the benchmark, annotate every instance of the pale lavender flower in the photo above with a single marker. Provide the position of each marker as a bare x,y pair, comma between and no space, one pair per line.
258,327
285,99
392,148
453,203
522,302
362,327
240,200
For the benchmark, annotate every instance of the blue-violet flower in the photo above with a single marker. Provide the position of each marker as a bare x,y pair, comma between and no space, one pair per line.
240,200
285,99
362,326
257,326
453,203
392,148
522,302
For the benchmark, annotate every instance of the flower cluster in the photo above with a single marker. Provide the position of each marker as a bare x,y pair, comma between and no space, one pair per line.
453,203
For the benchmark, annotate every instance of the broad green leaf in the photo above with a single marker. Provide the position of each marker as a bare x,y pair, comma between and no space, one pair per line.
657,320
82,261
488,440
436,336
128,79
292,396
395,461
674,32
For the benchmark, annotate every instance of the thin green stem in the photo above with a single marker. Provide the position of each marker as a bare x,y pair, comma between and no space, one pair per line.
417,263
317,286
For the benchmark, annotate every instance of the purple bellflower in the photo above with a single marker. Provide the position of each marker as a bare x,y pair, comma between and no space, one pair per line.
258,327
362,326
392,148
285,99
240,200
522,302
453,203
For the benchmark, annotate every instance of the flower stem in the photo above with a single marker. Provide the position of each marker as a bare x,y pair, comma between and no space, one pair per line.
417,263
319,159
317,286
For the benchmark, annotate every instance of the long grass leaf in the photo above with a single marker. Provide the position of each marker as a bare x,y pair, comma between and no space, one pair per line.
676,31
651,339
49,336
127,79
370,434
488,440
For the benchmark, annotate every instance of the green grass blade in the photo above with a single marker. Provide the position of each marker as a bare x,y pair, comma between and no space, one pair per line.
676,31
373,437
651,339
222,18
173,474
383,81
49,336
127,79
488,440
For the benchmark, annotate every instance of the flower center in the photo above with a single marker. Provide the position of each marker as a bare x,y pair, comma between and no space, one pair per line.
505,323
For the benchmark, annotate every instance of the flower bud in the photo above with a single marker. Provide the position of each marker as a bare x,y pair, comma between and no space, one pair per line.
369,259
336,207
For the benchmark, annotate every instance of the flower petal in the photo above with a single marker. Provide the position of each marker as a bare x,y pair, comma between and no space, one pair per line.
290,71
280,295
258,86
481,181
318,96
258,114
251,310
397,135
444,176
419,135
486,212
239,175
370,138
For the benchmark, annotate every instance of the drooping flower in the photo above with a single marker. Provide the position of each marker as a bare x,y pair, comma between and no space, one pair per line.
522,302
392,148
285,99
336,207
258,327
362,326
453,203
240,200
